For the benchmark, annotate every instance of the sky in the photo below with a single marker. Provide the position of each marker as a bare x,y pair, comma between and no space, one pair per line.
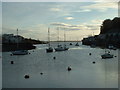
76,19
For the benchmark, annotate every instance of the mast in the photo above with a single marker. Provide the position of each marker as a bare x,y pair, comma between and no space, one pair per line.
17,38
64,37
48,37
58,34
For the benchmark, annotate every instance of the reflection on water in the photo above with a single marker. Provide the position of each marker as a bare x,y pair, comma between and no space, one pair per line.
84,74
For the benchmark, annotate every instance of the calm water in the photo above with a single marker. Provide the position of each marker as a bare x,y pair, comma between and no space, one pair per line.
84,74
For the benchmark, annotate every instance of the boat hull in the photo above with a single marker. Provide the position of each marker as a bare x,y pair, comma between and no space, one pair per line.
22,52
49,50
106,57
59,49
66,48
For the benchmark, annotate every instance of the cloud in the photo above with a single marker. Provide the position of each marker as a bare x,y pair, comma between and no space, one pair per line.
59,24
106,0
55,9
70,27
84,10
69,18
97,21
101,6
60,0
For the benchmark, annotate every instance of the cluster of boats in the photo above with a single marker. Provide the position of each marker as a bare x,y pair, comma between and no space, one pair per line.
58,48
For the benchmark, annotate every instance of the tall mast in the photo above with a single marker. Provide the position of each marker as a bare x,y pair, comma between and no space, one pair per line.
17,38
64,37
58,34
48,37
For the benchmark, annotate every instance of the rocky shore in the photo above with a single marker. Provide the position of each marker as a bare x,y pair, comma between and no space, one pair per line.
109,35
11,42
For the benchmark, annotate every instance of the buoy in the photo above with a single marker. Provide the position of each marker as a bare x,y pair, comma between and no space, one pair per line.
27,76
41,73
12,62
93,62
90,54
69,69
29,53
54,57
115,56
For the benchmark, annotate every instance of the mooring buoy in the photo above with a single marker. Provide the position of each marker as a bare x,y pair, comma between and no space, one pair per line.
41,73
26,76
93,62
12,62
90,54
69,68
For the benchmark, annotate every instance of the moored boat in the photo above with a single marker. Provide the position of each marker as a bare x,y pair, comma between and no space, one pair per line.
49,49
107,55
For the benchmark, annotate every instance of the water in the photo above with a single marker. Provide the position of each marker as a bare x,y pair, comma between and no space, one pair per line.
84,74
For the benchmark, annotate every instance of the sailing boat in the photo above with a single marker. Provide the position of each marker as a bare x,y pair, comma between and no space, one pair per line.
19,52
65,47
49,49
59,47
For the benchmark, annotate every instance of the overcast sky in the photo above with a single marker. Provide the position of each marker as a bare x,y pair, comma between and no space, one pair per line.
77,19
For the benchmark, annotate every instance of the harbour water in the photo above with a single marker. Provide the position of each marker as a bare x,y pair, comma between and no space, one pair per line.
84,74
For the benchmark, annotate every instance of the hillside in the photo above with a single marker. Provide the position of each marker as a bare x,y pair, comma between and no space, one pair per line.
109,35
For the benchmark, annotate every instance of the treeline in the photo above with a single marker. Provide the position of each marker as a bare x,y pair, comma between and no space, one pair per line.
110,26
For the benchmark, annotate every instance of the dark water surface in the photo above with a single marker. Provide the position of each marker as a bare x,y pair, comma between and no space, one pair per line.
84,74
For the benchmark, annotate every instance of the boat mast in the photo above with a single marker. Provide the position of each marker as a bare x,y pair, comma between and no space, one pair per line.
58,34
48,37
17,38
64,37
